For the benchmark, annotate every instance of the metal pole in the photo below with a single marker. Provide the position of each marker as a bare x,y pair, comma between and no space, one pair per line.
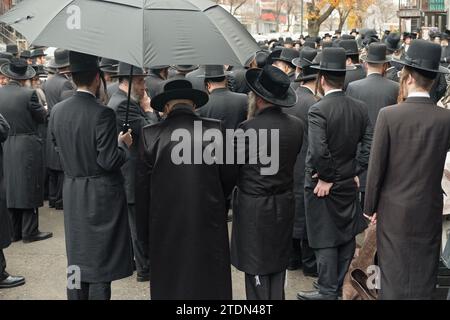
126,125
301,14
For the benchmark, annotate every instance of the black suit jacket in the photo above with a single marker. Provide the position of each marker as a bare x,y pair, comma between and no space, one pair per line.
353,75
195,77
56,89
229,107
337,125
5,222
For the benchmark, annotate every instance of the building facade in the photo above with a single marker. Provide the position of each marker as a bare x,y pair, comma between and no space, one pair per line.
417,14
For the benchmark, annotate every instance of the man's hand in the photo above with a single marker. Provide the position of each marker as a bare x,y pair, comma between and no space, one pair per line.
357,182
126,138
323,188
373,218
145,103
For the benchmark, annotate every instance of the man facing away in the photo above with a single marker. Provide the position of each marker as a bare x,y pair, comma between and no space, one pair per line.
98,241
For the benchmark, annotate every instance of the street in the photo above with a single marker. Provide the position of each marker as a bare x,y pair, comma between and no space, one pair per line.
43,264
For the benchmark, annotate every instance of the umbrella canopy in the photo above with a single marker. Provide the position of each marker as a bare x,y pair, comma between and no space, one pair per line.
145,33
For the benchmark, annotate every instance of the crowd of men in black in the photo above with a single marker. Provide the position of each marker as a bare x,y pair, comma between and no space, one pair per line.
127,205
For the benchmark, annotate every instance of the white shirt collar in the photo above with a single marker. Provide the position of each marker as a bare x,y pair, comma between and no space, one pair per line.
86,91
373,72
419,95
332,91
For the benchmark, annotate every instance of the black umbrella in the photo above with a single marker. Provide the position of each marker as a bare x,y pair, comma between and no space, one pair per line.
144,33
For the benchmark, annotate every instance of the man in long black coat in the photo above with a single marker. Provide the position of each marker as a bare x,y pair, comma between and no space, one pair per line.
98,241
375,91
393,50
302,254
139,116
6,280
23,155
224,105
404,193
337,124
56,89
264,206
189,248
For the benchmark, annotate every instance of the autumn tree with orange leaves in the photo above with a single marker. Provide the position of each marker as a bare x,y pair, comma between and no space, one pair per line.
317,11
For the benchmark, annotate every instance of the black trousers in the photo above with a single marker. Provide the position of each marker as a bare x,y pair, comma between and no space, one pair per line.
302,252
140,249
333,264
25,222
268,287
90,291
2,264
55,188
362,199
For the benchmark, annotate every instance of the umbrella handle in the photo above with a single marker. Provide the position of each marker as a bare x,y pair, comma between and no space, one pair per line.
126,125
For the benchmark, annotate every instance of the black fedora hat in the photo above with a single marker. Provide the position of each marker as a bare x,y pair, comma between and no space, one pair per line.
333,59
81,62
261,58
307,74
179,89
25,54
38,53
347,37
271,84
306,57
392,42
185,67
376,53
39,69
423,55
350,47
109,65
213,71
17,69
12,48
284,55
4,60
125,70
6,55
61,59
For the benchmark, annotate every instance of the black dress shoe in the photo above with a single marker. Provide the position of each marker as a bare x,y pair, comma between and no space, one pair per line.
316,286
16,238
294,264
11,281
38,237
143,277
314,295
51,204
312,274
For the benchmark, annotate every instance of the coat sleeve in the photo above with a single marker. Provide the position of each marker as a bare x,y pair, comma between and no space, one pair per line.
67,90
38,112
144,167
365,144
110,155
321,158
4,129
378,163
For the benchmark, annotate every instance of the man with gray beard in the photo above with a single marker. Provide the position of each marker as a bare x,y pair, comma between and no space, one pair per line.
140,115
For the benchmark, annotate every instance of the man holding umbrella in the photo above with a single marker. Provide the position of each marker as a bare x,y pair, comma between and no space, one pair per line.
140,114
337,125
23,154
404,193
264,207
98,241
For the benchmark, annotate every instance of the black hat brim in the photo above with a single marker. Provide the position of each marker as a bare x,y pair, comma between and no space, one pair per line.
200,98
306,78
376,61
348,68
6,71
121,75
301,63
54,65
251,76
405,63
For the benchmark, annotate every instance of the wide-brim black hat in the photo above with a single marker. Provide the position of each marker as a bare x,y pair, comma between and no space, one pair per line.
61,59
38,53
213,72
334,60
179,89
376,54
271,84
186,68
125,70
25,54
17,69
81,62
109,65
392,42
423,55
307,55
308,74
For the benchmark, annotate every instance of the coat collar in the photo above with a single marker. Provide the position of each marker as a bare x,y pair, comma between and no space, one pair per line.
334,94
181,109
84,95
219,91
419,100
305,90
14,83
269,109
